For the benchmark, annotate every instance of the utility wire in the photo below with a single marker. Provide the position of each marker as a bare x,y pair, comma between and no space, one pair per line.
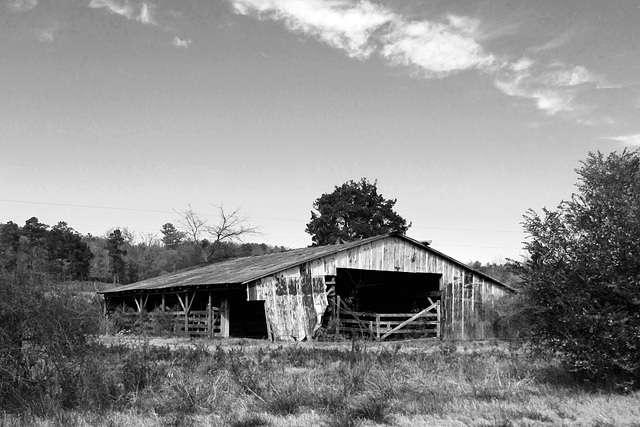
248,217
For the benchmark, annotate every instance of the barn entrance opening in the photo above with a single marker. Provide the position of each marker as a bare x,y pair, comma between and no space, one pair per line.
247,319
387,291
383,304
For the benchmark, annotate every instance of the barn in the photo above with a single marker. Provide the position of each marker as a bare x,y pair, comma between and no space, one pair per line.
380,287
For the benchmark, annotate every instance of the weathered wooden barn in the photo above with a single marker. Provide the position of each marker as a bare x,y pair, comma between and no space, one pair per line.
380,286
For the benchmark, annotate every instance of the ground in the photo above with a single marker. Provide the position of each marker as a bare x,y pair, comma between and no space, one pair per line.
244,382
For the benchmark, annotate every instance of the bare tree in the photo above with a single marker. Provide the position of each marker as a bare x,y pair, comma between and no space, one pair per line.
191,224
149,239
231,227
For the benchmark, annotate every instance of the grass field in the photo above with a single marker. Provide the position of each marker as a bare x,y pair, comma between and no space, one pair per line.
236,383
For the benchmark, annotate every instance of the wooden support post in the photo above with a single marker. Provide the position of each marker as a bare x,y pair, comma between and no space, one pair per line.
224,316
338,315
268,324
210,317
163,306
378,326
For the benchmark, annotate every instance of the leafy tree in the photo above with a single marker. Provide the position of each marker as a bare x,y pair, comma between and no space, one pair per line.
172,237
582,276
9,245
69,256
117,265
34,246
353,211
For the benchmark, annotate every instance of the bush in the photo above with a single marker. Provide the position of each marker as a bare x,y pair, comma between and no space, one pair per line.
581,283
45,345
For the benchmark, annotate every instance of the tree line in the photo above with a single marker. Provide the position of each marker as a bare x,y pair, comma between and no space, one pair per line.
62,254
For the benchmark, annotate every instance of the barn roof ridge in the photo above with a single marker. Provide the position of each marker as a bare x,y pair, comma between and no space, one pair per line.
243,270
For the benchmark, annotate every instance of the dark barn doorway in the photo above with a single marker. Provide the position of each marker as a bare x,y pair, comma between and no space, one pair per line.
387,291
247,319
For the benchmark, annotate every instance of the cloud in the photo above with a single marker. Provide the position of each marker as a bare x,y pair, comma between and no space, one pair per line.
556,43
21,5
437,49
339,24
45,35
178,42
553,87
145,14
140,13
364,28
433,48
630,140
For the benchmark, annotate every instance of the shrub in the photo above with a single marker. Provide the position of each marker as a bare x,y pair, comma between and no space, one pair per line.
45,345
581,282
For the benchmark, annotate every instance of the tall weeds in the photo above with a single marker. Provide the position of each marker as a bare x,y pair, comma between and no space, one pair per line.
342,387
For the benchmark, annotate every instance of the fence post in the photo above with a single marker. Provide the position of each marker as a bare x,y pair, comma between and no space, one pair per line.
378,326
338,315
186,313
438,324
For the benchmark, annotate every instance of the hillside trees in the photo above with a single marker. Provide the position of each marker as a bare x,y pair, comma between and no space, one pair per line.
35,248
582,276
354,210
60,253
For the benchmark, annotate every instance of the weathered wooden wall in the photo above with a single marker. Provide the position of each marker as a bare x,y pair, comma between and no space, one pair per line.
294,302
295,299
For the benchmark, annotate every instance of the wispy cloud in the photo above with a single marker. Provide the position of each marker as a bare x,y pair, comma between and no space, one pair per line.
145,14
141,13
338,23
180,43
629,140
553,87
45,35
555,43
363,28
21,5
437,47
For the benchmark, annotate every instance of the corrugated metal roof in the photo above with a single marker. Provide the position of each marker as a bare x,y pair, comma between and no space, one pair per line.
239,271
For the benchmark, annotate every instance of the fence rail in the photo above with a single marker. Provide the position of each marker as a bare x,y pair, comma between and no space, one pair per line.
195,323
379,326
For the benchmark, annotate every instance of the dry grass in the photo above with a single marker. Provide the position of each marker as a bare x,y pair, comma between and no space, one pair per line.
418,383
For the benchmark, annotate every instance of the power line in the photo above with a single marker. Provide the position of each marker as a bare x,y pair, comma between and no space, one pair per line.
69,205
175,212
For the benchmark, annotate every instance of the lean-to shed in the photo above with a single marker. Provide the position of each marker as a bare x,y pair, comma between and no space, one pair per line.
381,285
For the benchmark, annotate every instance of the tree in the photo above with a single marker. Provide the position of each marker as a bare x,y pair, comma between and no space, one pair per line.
9,245
214,240
68,255
117,265
172,237
582,276
353,211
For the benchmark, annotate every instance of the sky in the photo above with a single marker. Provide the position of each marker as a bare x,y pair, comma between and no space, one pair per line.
122,113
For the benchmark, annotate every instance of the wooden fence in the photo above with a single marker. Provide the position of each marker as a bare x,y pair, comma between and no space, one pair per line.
204,323
379,326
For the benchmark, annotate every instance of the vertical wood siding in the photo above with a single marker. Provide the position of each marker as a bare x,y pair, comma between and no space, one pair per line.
295,299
